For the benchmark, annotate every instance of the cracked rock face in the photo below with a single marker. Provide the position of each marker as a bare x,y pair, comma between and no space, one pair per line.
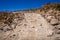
32,27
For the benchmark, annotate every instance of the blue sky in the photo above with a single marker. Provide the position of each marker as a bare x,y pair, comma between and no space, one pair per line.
22,4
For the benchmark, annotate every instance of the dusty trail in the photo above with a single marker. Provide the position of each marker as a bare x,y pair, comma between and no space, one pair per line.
33,27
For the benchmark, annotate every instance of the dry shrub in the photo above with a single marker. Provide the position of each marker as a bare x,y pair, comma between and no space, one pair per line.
6,17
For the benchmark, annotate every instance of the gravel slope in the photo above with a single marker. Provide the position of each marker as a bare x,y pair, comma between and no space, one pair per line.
32,27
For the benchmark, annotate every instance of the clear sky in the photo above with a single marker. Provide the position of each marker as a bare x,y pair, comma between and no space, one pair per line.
22,4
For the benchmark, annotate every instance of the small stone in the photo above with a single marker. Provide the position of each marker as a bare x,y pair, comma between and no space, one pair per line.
25,24
40,24
5,27
58,32
33,27
54,22
59,18
49,18
14,35
58,27
57,38
50,33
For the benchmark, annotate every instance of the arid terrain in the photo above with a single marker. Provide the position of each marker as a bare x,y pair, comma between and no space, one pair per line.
33,24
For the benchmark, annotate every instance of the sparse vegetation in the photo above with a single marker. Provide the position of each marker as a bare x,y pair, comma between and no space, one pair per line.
6,17
51,6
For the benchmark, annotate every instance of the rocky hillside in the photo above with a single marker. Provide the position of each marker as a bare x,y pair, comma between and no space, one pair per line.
33,24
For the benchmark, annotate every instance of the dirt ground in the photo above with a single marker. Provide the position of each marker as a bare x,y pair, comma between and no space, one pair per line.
32,27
